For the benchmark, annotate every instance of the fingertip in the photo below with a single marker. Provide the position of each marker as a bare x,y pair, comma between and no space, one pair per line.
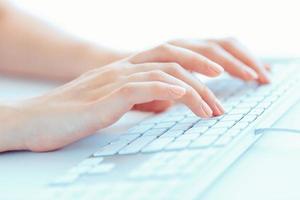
216,69
177,91
250,74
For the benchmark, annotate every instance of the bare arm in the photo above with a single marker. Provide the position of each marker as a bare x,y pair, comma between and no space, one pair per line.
29,47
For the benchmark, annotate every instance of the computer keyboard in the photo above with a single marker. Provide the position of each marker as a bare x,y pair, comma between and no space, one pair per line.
173,150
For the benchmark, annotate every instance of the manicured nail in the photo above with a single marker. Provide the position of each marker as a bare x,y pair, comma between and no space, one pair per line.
217,69
251,73
207,110
220,107
177,91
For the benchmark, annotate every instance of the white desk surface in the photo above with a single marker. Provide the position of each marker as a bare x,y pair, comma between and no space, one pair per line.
270,170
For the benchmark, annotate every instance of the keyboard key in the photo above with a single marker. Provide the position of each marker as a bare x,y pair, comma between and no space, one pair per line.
249,118
177,145
239,111
181,127
204,141
199,130
164,125
91,161
223,141
157,145
216,131
126,138
235,118
256,111
140,129
100,169
137,145
155,132
207,123
240,125
190,120
172,133
224,124
233,132
189,137
111,149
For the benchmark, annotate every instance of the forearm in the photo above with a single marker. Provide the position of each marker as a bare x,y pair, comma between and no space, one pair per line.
31,48
11,121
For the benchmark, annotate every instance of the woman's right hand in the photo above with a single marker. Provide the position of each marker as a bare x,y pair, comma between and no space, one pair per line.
100,97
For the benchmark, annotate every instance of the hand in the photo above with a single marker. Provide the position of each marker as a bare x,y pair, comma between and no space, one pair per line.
228,53
100,97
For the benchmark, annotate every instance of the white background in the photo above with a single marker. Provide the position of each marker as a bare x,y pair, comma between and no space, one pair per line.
267,27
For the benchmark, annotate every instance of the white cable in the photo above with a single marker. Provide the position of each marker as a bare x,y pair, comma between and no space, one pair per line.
263,130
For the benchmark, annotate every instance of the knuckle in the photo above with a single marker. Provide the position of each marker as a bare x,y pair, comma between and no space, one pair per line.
190,92
156,75
229,40
156,86
127,89
211,47
174,68
111,74
164,48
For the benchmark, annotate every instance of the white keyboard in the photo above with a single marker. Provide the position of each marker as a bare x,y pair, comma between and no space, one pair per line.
174,150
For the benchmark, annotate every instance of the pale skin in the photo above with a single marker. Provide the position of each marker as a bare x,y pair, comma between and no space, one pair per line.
106,83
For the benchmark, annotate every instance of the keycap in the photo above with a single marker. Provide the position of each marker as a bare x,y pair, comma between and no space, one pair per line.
240,125
172,133
199,130
264,104
249,118
246,105
91,161
177,145
189,137
155,132
126,138
216,131
182,127
137,145
157,145
102,168
223,141
206,123
204,141
111,149
224,124
139,129
233,132
232,117
256,111
190,120
239,111
164,125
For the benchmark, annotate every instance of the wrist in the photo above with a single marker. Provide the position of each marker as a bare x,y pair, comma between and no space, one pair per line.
11,130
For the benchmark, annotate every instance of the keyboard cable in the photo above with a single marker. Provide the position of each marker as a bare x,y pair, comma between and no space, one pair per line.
265,130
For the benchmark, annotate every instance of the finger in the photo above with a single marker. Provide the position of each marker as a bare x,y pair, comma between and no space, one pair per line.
241,53
232,65
114,105
267,67
192,99
153,106
184,57
178,72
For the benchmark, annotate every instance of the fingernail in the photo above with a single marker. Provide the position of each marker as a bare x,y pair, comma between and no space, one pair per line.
207,110
217,68
177,91
220,107
251,73
265,78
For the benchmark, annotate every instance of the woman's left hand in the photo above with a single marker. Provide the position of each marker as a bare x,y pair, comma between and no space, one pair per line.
235,58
